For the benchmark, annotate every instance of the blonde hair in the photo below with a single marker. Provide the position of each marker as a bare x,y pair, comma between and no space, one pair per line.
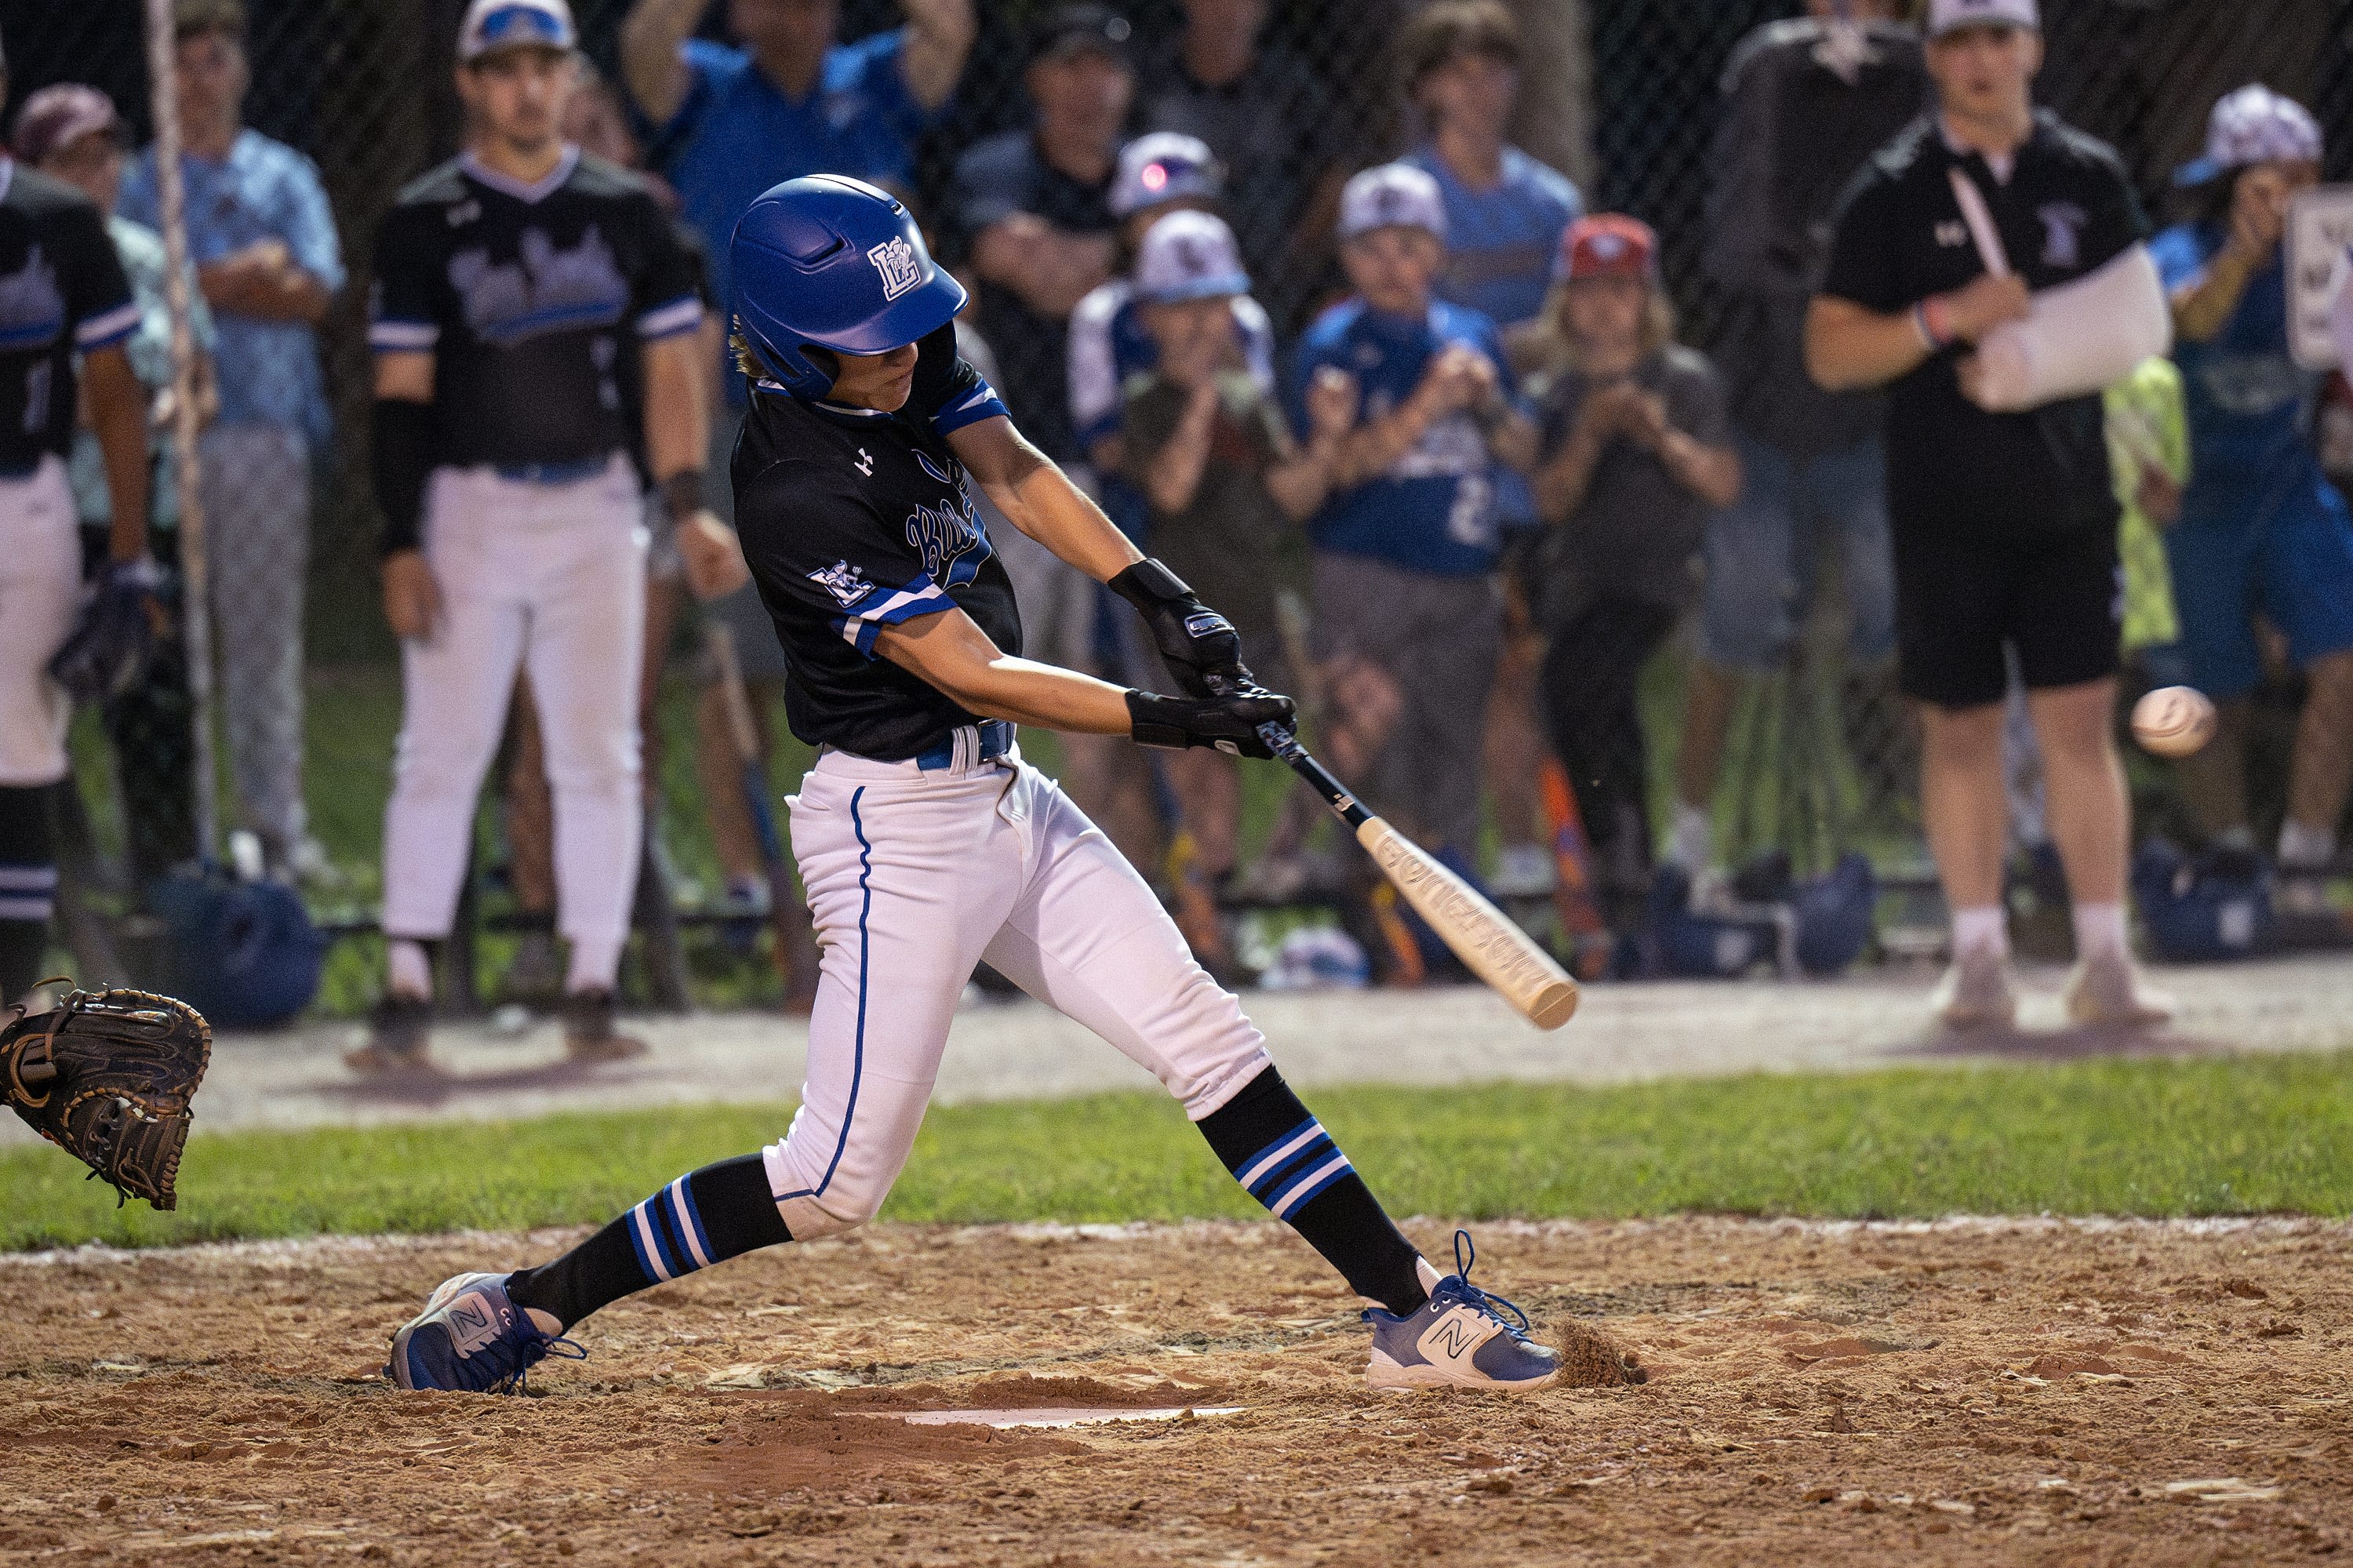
1552,350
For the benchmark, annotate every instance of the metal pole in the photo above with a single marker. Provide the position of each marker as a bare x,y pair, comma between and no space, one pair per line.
194,571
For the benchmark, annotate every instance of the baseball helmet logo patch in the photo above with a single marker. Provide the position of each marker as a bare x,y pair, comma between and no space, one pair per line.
902,269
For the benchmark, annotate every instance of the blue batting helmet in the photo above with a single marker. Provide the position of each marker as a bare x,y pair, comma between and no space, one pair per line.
834,263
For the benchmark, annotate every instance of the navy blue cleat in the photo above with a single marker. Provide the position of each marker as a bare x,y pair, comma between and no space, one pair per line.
471,1339
1460,1338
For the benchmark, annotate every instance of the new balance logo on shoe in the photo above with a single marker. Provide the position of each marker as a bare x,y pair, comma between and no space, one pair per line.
472,1324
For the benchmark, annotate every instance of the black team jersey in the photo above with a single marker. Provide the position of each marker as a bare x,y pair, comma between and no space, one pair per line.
62,293
853,521
2067,210
533,301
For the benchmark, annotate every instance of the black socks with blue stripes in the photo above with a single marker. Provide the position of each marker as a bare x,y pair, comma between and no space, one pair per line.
28,887
718,1212
1287,1161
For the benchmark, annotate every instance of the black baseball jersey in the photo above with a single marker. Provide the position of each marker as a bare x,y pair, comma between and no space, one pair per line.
62,291
853,521
533,301
2066,209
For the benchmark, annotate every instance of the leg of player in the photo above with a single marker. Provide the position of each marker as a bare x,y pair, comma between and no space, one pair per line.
2321,772
1090,939
586,642
2090,820
1966,811
40,584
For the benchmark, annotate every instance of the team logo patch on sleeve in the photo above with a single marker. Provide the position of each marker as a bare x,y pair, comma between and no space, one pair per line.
845,582
895,259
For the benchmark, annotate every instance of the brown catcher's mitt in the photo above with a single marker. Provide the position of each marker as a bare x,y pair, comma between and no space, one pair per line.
107,1076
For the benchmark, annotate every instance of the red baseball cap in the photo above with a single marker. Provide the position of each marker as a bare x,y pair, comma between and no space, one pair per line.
1610,245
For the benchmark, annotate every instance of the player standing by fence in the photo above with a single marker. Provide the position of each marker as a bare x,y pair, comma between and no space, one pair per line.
63,300
2004,525
533,312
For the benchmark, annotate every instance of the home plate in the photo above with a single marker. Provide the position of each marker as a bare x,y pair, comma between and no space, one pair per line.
1051,1415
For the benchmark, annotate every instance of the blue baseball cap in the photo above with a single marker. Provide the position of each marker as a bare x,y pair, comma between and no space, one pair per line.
494,25
1166,165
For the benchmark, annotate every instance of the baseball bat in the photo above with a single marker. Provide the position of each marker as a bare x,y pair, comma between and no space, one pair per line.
795,954
1507,957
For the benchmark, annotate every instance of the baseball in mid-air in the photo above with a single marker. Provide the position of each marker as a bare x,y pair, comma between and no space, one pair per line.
2173,721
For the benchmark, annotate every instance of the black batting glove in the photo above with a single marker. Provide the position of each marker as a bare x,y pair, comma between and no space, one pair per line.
1228,724
1195,642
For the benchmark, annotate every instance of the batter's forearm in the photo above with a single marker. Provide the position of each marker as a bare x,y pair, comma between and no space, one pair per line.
949,652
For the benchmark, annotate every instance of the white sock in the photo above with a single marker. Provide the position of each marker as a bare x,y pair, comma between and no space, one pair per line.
2100,931
595,965
1690,842
2306,849
407,971
1983,928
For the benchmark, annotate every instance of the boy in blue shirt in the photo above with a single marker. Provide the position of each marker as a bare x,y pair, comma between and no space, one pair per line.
2262,529
1406,611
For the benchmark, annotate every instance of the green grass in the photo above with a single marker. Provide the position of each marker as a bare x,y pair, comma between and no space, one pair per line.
2151,1137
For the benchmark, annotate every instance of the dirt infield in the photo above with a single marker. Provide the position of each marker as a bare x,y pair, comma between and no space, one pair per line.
1971,1393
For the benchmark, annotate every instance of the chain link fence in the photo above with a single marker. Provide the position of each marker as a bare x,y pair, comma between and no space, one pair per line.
1624,95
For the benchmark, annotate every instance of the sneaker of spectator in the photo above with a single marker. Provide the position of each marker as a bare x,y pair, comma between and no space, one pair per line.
1505,211
2261,529
268,263
1637,454
1271,120
1031,212
1406,623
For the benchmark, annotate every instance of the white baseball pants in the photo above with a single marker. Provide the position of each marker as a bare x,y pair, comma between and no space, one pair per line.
40,590
551,577
914,877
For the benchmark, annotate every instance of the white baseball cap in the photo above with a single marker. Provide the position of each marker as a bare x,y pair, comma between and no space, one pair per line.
1951,15
1189,256
1392,196
494,25
2253,125
1166,165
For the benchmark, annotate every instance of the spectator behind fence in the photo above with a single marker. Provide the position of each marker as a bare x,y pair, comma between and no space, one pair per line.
1505,212
1208,446
2263,532
783,101
1032,216
72,133
2004,525
1806,102
264,243
1636,453
1265,111
1406,615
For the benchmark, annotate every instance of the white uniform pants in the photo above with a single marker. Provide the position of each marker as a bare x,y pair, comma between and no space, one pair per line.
914,877
551,576
40,590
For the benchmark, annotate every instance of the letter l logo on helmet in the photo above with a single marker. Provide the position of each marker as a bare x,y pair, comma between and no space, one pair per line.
901,270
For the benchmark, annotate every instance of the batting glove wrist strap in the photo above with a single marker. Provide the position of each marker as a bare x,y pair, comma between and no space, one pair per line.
402,461
1194,640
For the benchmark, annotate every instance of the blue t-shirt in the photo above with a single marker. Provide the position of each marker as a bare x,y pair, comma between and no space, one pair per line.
1500,242
1433,510
2249,401
268,370
735,135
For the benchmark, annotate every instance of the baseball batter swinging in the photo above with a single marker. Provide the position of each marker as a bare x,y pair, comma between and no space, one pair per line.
926,844
533,325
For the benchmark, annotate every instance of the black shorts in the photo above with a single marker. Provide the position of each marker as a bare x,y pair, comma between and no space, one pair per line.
1961,594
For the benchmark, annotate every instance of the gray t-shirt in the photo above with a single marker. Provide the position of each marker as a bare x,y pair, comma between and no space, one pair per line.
1637,533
